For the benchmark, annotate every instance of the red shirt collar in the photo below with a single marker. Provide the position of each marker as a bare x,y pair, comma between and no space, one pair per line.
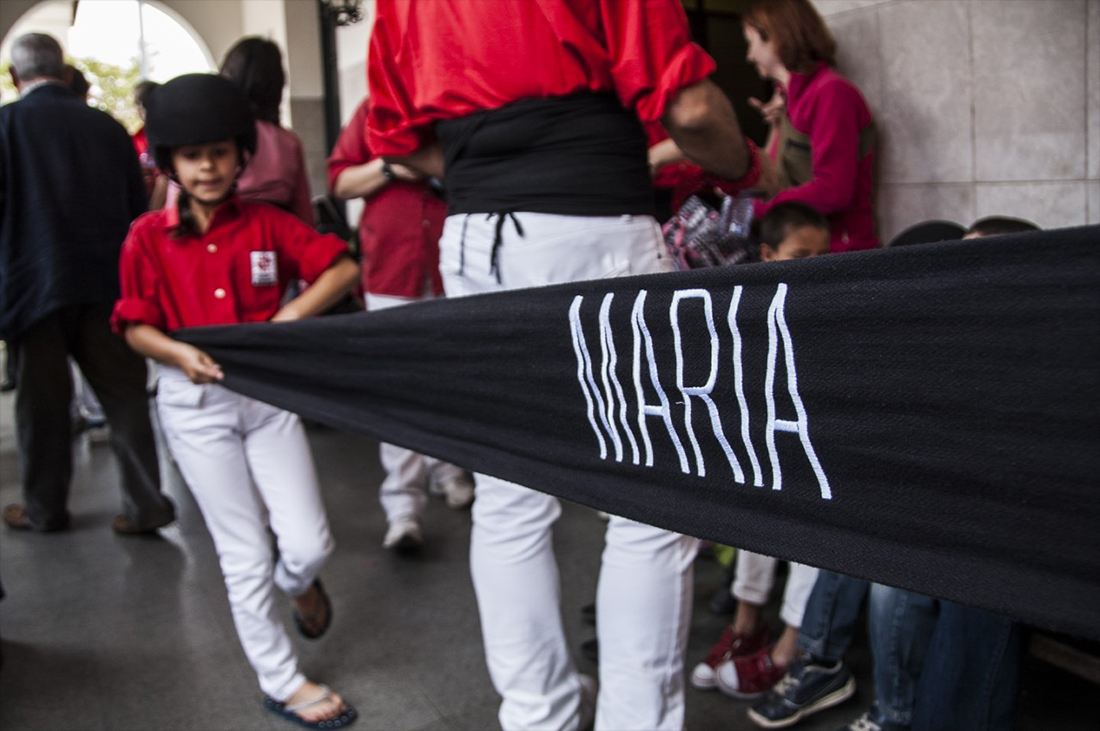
231,207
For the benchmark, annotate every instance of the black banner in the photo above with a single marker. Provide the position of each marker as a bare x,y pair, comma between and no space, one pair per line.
926,417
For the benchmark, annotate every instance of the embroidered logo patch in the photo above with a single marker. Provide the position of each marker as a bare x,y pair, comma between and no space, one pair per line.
264,269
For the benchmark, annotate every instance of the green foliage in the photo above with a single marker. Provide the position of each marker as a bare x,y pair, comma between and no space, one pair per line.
7,88
112,87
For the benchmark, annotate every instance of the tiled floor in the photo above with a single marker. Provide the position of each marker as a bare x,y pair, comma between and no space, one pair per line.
105,632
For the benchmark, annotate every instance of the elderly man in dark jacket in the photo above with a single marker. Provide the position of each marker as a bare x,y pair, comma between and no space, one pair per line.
69,187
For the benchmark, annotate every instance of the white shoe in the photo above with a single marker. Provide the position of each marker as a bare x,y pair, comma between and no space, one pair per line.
404,535
589,691
459,491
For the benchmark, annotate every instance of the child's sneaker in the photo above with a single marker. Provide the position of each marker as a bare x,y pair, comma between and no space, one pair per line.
729,646
808,687
749,676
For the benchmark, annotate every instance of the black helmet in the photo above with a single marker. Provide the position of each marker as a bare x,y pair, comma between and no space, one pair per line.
197,109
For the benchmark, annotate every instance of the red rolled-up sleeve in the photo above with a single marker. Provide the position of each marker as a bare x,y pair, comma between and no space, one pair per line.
313,252
139,284
395,126
652,55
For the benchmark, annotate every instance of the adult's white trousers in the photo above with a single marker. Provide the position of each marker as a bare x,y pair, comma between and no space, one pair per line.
403,492
644,592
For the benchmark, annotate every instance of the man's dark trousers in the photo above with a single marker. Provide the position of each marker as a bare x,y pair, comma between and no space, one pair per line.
118,378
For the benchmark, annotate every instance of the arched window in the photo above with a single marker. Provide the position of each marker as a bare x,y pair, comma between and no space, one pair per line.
115,43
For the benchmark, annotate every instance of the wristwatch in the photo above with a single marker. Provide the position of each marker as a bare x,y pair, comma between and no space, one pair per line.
387,171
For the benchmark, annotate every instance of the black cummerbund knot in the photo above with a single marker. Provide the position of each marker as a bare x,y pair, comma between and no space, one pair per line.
582,155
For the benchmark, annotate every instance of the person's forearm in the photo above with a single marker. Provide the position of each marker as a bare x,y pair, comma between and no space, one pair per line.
702,122
152,342
334,283
427,160
664,153
360,181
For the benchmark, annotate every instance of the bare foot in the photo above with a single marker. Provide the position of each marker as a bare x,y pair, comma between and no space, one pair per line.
312,611
318,703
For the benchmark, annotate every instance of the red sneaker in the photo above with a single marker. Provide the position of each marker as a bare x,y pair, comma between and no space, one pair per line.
729,646
749,676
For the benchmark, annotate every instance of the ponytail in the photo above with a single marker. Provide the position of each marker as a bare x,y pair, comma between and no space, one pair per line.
187,224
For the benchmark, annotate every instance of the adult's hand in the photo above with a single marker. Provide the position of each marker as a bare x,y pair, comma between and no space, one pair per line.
772,110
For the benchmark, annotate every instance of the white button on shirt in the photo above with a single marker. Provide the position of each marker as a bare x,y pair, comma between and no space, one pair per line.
219,293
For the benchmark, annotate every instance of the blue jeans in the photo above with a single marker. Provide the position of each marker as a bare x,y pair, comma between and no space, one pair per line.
900,625
832,612
971,672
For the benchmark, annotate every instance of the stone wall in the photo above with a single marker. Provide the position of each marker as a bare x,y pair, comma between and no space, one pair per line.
985,106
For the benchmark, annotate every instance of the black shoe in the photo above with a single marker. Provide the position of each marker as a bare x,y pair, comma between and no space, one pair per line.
591,650
588,613
722,601
808,687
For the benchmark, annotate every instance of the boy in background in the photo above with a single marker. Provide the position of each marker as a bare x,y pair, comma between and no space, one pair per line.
745,663
793,230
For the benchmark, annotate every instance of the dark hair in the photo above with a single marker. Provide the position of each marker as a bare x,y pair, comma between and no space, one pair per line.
141,91
37,56
800,35
256,66
78,84
928,232
187,224
778,223
1000,225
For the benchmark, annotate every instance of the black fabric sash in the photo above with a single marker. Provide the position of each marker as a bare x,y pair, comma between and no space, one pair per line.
926,417
580,155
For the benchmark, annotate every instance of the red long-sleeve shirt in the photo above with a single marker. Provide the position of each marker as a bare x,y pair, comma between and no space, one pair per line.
446,59
832,112
401,224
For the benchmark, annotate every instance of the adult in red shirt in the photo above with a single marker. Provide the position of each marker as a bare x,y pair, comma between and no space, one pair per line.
534,109
399,239
824,144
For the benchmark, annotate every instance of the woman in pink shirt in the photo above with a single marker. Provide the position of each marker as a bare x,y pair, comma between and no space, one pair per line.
824,145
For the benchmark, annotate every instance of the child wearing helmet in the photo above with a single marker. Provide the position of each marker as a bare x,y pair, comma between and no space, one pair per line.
213,259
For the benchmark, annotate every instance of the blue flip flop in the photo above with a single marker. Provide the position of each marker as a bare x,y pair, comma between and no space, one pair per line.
290,712
303,629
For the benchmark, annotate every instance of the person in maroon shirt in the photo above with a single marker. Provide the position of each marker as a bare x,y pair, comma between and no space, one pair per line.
399,239
534,111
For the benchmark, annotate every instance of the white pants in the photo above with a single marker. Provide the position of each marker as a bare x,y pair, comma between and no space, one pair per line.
246,462
756,576
644,593
404,490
